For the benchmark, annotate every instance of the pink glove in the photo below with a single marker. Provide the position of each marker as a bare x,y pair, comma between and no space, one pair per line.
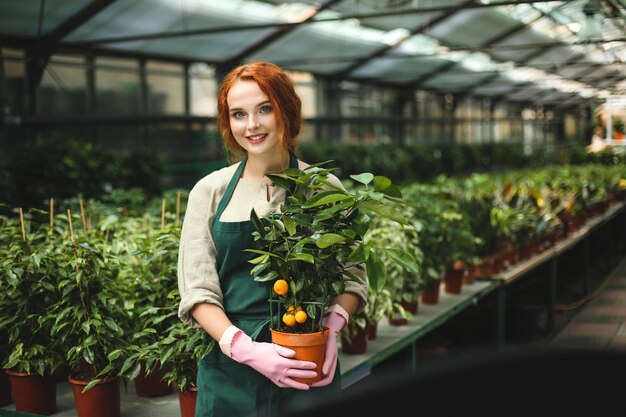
335,319
269,359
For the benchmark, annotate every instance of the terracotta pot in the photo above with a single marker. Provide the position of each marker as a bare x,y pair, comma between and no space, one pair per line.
308,347
430,294
103,400
470,276
396,319
357,344
5,389
372,331
453,281
152,385
33,393
410,306
187,402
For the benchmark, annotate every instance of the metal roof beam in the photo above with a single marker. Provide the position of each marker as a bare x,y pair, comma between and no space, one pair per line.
383,50
274,36
358,16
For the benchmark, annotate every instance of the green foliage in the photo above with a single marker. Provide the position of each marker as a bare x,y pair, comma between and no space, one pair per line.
318,238
91,318
29,276
64,168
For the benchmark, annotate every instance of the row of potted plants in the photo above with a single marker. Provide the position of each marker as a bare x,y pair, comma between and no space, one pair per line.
477,226
78,284
75,293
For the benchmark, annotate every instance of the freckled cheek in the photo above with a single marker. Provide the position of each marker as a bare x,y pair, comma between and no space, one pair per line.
238,127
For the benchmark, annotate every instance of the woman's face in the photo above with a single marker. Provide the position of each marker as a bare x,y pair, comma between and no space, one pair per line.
252,118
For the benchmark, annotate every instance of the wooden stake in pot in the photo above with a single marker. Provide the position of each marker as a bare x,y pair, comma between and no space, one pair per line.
177,206
163,214
82,217
22,224
51,215
69,218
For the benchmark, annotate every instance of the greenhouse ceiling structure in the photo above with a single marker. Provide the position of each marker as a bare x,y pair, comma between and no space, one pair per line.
556,53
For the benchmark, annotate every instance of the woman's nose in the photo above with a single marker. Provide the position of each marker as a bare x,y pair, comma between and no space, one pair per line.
253,123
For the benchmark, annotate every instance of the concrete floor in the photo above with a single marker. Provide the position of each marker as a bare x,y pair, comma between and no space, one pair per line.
131,404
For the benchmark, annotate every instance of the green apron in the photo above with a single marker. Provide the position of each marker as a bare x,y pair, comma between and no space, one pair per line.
227,388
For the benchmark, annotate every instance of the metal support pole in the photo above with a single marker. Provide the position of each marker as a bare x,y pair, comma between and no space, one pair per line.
609,256
500,316
414,356
586,266
550,320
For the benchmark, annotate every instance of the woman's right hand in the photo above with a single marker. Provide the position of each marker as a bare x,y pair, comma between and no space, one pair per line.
272,360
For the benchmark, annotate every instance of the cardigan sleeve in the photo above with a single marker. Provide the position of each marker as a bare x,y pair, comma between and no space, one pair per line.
198,279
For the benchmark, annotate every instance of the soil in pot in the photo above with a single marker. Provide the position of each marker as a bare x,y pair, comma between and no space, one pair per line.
103,400
33,393
308,347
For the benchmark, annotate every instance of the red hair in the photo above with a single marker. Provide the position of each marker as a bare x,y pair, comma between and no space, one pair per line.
280,90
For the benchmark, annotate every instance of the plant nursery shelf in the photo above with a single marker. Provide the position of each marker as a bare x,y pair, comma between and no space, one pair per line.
392,339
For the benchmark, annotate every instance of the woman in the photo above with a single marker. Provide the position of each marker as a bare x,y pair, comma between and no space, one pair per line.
259,118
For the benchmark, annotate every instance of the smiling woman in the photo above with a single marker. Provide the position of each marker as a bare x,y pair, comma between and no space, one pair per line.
259,117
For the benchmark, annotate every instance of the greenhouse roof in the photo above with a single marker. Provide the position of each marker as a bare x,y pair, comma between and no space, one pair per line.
555,53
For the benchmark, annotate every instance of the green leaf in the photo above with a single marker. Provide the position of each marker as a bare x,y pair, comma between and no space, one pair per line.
325,198
306,257
112,325
90,385
329,239
259,268
376,272
256,222
359,254
381,183
259,259
134,373
289,225
267,277
385,211
404,259
364,178
280,181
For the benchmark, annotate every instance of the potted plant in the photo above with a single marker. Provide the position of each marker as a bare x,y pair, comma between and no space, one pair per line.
92,321
426,203
150,279
29,278
314,242
398,246
176,350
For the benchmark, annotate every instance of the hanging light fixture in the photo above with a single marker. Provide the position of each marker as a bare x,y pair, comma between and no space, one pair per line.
591,26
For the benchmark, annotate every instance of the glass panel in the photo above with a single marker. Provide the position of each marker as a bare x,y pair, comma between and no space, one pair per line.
166,88
63,87
305,87
14,73
117,86
203,88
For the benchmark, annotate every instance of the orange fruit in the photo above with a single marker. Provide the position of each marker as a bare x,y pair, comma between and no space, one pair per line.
301,316
289,319
291,309
281,287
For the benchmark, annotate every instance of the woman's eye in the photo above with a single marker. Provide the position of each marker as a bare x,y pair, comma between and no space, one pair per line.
265,109
238,114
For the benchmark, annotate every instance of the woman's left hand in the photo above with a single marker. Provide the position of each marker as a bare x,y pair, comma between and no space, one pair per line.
335,322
